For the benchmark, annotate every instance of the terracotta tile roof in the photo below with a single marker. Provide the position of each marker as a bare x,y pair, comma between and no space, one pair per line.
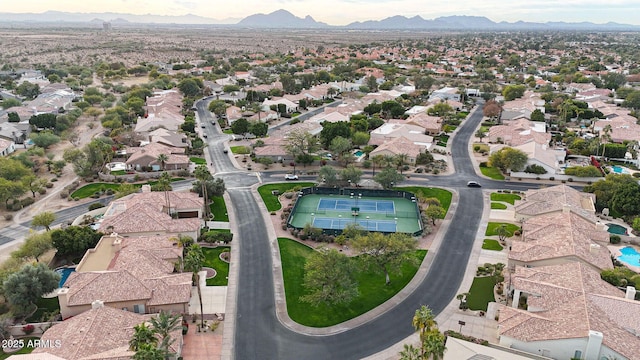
570,300
553,199
108,286
518,132
103,330
562,235
399,145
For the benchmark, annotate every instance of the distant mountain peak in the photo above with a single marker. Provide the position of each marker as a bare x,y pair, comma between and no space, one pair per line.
280,19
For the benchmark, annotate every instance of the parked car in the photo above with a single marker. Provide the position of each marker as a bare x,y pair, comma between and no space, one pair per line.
473,184
225,151
291,177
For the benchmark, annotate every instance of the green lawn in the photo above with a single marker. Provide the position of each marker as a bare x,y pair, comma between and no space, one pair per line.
227,131
270,200
219,209
24,350
481,293
442,195
45,305
372,290
481,146
240,149
212,260
118,172
198,160
492,228
89,189
509,198
498,206
492,173
490,244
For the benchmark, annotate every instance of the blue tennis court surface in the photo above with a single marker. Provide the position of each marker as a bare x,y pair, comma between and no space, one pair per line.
367,224
371,206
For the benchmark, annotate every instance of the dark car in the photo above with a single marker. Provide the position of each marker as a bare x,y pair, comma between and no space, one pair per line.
225,151
473,184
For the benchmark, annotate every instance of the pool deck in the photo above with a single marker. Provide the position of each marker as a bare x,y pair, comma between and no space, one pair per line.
615,251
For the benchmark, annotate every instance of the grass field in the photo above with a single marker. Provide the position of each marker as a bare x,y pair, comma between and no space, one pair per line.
498,206
118,172
492,173
490,244
492,228
219,209
372,290
212,260
442,195
227,131
270,200
481,293
90,189
45,305
508,198
240,149
198,160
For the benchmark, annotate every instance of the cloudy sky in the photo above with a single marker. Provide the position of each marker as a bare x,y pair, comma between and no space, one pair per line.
341,12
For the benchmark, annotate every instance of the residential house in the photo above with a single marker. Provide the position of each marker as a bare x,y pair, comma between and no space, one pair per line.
130,273
518,132
554,200
390,130
169,138
6,147
623,126
101,333
571,313
163,109
146,157
523,106
16,132
329,116
290,105
458,349
154,213
432,125
264,116
579,87
233,113
397,146
445,93
551,159
558,238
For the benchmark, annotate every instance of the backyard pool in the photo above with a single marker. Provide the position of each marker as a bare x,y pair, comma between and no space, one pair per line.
64,274
358,153
617,229
619,169
629,256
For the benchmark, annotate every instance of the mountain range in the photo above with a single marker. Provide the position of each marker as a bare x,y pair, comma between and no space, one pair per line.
284,19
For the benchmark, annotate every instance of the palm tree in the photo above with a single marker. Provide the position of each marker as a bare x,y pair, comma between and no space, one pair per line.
480,134
605,137
410,353
202,174
142,335
401,160
377,160
331,91
433,345
388,160
150,352
193,261
424,322
162,159
163,325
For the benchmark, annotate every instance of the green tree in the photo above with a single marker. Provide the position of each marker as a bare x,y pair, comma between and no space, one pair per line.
507,159
193,262
633,100
434,345
626,199
424,322
202,174
34,183
13,117
266,161
240,126
329,278
190,87
377,160
35,245
44,219
401,160
434,212
385,252
328,176
410,353
23,288
93,112
162,159
372,83
74,240
537,115
258,129
9,103
28,90
163,325
606,189
301,143
351,174
126,189
163,184
43,121
340,146
388,177
331,131
512,92
480,134
212,187
142,335
441,109
218,107
10,190
150,352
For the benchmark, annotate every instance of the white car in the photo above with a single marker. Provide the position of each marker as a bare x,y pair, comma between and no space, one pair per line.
291,177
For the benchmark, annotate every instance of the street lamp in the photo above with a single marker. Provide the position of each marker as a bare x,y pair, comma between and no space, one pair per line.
367,223
313,219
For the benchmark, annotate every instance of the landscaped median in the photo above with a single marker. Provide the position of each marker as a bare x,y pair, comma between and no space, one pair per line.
212,260
372,290
269,196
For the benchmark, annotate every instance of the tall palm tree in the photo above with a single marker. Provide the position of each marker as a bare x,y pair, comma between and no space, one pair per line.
150,352
401,160
424,322
433,345
410,353
162,159
605,137
377,160
202,174
388,160
163,325
142,335
193,261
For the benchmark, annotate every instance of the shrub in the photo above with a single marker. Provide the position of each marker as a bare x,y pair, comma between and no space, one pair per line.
96,206
54,180
27,201
552,178
614,239
42,191
476,148
483,164
109,191
8,217
49,185
570,179
28,329
535,169
636,174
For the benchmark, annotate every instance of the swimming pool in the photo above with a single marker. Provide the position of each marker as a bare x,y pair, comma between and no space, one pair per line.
358,153
64,274
616,229
629,256
619,169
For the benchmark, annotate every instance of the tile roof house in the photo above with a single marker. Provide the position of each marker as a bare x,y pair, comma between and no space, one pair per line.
571,313
390,131
553,200
551,159
7,147
518,132
101,333
163,110
134,274
397,146
148,213
147,157
558,238
168,138
432,125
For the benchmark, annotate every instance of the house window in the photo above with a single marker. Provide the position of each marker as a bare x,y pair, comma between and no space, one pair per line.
577,354
138,309
125,309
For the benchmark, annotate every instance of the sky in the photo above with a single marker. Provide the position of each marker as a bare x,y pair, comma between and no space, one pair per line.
342,12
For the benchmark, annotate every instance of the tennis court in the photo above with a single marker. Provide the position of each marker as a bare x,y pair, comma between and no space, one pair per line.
335,212
363,205
367,224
